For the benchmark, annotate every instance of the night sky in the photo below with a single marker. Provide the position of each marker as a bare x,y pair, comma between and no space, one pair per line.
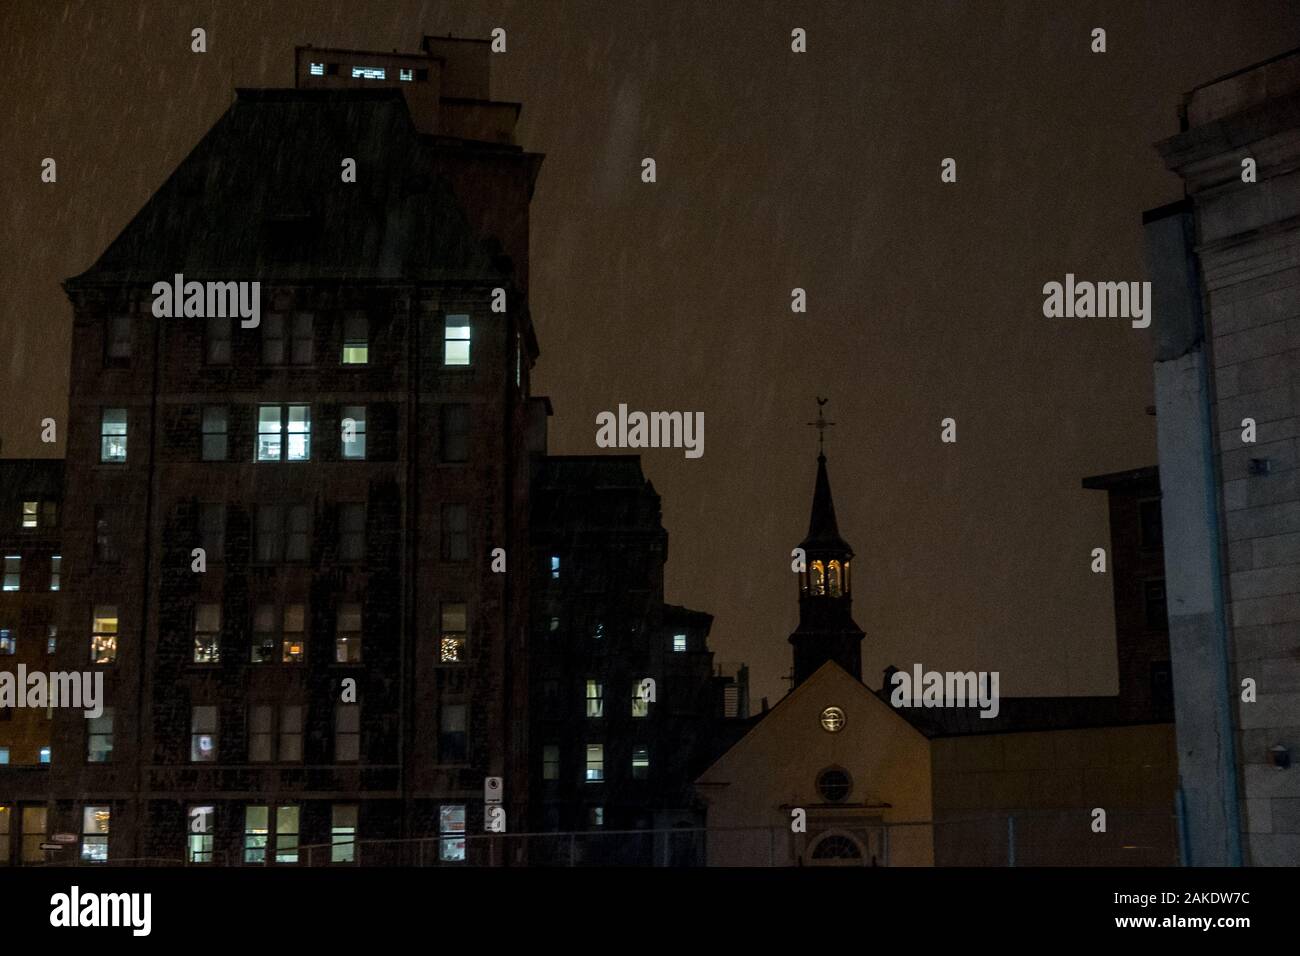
775,171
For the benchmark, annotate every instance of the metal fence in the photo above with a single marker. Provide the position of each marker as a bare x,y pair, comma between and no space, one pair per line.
1022,838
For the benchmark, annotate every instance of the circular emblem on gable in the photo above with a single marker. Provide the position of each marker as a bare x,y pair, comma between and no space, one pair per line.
832,720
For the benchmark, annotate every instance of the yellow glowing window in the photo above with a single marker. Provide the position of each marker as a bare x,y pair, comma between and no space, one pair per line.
833,579
818,573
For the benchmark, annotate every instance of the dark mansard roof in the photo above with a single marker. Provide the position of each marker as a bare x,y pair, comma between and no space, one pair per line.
261,197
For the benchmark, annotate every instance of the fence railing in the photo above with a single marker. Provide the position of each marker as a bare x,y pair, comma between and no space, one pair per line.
1022,838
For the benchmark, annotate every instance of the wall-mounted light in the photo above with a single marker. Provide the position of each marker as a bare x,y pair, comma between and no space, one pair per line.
1279,757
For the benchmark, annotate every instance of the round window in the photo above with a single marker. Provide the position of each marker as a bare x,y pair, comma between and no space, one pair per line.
834,784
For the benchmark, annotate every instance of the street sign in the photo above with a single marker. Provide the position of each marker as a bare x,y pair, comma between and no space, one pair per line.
51,846
492,791
64,838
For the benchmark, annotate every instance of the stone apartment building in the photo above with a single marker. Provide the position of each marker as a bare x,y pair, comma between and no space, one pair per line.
1225,271
277,538
628,705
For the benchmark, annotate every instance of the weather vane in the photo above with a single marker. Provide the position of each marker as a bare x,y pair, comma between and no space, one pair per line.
821,425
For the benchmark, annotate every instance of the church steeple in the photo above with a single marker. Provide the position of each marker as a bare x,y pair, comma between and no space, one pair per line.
826,628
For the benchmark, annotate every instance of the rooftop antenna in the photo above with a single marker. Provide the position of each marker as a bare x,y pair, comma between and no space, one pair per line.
821,425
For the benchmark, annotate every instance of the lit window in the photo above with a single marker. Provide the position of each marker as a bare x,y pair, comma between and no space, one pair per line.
833,579
451,830
112,435
216,439
99,741
832,720
256,834
595,763
356,340
452,739
56,571
343,833
596,816
451,648
281,426
35,823
294,644
13,571
30,509
818,572
347,637
551,762
455,433
286,834
598,632
455,533
679,643
640,699
217,347
318,69
368,73
595,698
354,431
8,643
456,341
94,834
51,638
555,624
45,755
555,567
207,634
203,734
405,75
4,756
103,634
201,835
640,763
347,733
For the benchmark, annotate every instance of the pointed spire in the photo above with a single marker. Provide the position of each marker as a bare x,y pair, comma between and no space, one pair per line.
823,531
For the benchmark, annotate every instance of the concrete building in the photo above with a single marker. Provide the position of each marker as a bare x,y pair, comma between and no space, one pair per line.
279,533
1225,272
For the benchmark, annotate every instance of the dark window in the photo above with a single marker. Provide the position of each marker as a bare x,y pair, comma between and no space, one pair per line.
303,349
455,433
282,533
117,341
1156,606
1162,684
216,350
356,340
216,438
273,339
834,784
455,533
212,531
352,532
1152,528
451,734
106,525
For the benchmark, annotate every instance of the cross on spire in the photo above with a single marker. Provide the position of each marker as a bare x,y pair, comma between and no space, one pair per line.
821,425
